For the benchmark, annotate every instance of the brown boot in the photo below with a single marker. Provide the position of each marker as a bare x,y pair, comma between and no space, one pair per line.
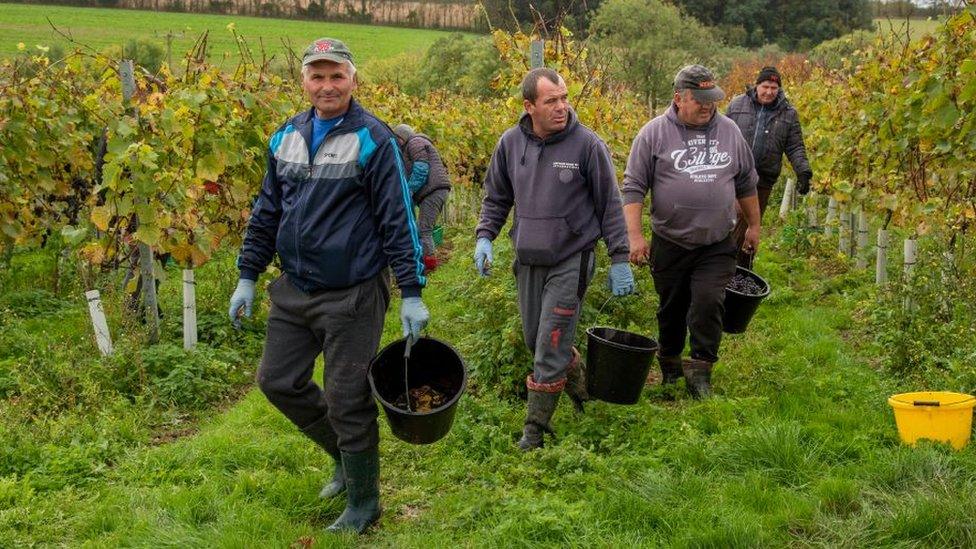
671,369
698,378
576,381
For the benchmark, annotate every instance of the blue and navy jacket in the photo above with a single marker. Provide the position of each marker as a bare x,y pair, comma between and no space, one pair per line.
339,219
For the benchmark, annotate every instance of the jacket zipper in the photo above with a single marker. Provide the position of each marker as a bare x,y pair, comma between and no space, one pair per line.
304,197
755,134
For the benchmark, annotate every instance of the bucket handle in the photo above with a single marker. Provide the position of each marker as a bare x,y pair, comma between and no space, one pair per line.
635,293
751,259
406,367
936,403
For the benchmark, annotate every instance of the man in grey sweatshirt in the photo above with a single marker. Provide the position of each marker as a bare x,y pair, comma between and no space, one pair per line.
697,166
558,175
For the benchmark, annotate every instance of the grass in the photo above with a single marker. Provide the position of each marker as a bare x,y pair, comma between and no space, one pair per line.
798,448
28,24
914,27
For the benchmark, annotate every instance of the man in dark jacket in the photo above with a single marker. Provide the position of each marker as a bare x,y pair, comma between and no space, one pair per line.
558,175
771,126
335,207
429,184
697,167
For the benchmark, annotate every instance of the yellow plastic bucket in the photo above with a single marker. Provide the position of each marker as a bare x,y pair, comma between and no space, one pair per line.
935,415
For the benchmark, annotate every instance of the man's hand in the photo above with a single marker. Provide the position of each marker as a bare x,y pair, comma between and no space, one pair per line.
640,251
803,183
414,316
482,256
750,243
243,298
621,279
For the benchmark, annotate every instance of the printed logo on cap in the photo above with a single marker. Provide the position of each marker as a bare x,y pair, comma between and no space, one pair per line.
323,46
706,85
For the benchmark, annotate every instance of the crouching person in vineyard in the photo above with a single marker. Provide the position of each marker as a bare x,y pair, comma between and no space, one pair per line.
429,184
697,166
558,175
334,205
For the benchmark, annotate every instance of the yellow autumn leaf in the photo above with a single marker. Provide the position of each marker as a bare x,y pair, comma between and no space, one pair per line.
101,216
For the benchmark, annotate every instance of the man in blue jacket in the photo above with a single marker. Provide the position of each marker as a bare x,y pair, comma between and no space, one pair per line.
335,206
559,177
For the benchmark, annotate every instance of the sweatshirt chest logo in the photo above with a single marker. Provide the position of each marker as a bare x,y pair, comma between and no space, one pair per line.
566,170
698,157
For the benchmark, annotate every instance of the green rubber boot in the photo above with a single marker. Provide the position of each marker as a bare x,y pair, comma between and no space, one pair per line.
362,470
540,409
322,433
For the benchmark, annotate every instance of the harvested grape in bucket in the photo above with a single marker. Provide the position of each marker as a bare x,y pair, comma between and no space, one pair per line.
422,399
745,284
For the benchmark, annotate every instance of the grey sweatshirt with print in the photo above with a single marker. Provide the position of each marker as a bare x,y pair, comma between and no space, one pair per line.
695,174
564,190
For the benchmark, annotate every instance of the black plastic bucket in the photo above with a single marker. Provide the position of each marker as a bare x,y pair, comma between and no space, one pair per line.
617,363
740,307
433,363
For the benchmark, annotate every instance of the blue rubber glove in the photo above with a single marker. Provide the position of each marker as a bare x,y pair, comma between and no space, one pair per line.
621,279
482,256
243,297
414,316
418,176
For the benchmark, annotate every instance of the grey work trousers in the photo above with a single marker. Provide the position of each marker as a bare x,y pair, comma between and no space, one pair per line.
550,299
343,325
430,208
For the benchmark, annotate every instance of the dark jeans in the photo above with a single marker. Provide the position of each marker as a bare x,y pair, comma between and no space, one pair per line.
343,325
691,287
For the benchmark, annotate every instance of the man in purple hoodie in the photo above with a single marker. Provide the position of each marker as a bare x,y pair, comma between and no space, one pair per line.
558,175
697,166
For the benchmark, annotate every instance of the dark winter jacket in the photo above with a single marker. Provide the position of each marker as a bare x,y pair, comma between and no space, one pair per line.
419,148
338,220
780,133
564,190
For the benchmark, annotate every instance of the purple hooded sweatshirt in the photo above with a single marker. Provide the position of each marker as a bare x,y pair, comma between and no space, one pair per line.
695,175
564,190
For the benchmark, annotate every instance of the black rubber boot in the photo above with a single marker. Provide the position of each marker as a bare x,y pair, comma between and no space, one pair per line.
540,409
337,485
322,433
671,369
698,378
362,471
576,381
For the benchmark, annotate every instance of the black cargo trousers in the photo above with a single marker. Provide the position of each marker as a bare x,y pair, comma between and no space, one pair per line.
345,326
691,287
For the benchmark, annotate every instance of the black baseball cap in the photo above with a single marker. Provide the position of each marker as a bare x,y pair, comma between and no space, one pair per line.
701,82
327,49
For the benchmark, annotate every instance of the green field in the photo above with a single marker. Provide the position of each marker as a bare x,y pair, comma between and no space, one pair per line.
100,28
797,449
915,27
